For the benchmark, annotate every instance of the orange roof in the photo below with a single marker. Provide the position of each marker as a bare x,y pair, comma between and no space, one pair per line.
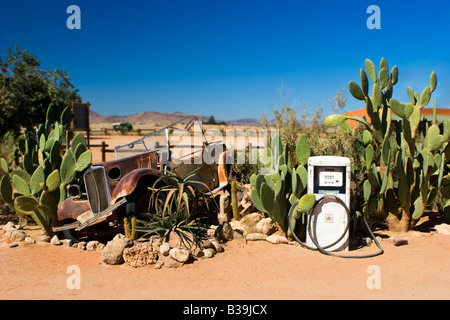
439,111
423,112
357,113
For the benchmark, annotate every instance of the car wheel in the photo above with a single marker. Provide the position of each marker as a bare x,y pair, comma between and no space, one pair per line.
71,234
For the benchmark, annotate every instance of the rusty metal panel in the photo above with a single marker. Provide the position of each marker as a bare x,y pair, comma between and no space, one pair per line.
222,169
129,182
212,175
71,209
126,165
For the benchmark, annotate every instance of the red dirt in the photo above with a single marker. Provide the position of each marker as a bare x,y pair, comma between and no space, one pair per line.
256,270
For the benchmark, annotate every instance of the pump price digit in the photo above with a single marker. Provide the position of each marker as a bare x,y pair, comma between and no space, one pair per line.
246,310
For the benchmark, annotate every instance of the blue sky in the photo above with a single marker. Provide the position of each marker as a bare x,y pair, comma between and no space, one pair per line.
230,58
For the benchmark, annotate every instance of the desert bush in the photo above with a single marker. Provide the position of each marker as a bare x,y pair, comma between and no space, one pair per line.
241,171
289,127
343,143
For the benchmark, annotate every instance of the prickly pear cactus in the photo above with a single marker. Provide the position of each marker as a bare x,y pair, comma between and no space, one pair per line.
41,183
276,192
404,175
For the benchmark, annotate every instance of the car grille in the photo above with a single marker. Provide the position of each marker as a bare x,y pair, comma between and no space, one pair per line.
97,189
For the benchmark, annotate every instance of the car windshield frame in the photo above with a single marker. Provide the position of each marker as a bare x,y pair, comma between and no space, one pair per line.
141,141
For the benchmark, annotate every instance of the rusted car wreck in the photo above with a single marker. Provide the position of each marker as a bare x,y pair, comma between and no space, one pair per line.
108,192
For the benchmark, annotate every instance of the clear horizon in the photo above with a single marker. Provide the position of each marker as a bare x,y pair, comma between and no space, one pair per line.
230,59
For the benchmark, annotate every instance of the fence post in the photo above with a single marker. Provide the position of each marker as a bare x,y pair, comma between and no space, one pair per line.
103,151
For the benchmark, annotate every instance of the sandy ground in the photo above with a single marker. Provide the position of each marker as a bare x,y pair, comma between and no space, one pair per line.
111,142
253,270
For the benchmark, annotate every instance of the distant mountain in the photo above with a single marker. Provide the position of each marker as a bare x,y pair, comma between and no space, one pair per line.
162,118
97,118
245,122
146,117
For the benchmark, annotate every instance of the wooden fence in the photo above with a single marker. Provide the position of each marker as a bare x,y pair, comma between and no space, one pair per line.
103,147
108,131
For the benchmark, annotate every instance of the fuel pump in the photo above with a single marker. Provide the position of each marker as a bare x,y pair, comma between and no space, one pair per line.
329,220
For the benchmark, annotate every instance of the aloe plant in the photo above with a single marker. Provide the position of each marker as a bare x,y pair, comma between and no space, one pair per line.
276,192
403,175
172,209
41,185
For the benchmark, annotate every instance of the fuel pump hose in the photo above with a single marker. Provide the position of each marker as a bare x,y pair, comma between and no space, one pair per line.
323,249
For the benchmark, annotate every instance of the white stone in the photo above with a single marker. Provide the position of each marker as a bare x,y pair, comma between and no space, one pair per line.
277,239
30,240
208,253
92,245
443,228
164,248
55,241
66,242
113,251
82,245
18,236
256,236
179,254
266,226
225,212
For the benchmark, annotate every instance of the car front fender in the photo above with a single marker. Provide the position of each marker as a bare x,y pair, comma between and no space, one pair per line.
129,183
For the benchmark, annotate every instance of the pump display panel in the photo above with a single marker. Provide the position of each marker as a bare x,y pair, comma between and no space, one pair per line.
329,180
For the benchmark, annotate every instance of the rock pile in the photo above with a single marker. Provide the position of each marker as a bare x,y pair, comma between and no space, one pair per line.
156,252
15,235
174,253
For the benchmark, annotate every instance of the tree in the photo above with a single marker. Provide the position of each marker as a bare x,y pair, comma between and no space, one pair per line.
26,91
317,115
211,120
339,102
264,121
286,121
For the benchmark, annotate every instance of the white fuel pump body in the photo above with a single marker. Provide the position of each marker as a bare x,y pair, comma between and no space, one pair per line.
329,175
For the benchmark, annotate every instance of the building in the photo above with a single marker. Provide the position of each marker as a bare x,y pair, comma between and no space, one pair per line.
442,114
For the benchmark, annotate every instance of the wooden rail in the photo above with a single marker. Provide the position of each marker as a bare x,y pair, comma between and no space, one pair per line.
103,146
139,132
